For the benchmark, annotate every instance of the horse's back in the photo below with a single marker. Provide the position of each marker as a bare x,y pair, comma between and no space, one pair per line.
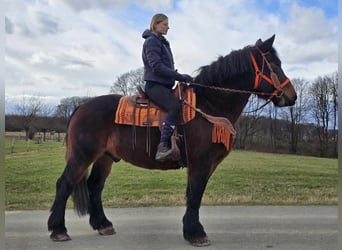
93,121
102,103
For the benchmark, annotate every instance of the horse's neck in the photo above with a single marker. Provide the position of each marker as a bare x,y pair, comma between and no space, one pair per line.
227,105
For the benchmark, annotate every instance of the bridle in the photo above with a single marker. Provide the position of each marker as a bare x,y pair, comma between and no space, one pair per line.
274,80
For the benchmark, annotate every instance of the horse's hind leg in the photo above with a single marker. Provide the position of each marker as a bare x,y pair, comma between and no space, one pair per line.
56,222
100,171
71,176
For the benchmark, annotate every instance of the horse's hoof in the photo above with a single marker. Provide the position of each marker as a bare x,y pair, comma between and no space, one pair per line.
201,242
106,231
60,237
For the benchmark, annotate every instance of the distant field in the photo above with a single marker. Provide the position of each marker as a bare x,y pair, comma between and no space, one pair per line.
243,178
20,135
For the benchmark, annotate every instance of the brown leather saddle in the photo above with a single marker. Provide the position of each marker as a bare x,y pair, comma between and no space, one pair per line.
138,110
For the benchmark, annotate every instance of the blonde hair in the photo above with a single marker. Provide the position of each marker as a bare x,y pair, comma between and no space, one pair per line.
157,18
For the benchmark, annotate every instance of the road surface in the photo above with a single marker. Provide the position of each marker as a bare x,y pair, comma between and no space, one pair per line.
228,227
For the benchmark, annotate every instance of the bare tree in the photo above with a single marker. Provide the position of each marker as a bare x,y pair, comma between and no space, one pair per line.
297,115
323,109
28,108
43,124
68,105
273,123
334,95
247,126
126,83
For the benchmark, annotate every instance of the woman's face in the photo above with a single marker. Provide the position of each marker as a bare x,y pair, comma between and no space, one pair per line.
162,27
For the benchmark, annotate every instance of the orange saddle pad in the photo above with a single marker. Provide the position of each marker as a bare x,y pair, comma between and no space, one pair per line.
140,111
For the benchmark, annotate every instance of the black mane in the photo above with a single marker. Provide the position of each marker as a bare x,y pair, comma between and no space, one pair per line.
225,68
228,68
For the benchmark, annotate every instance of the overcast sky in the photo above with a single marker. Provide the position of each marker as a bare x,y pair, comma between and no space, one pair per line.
62,48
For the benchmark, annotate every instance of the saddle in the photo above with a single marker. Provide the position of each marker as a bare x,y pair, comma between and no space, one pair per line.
139,111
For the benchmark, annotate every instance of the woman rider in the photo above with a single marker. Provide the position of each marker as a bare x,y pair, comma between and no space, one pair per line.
160,76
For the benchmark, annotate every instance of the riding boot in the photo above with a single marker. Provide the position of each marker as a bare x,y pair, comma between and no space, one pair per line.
164,150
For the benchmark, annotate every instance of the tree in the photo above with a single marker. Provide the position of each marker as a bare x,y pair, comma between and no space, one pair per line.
126,83
322,96
68,105
247,126
274,133
297,115
334,94
44,123
28,108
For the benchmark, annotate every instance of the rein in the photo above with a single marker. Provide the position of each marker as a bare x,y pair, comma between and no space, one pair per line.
224,89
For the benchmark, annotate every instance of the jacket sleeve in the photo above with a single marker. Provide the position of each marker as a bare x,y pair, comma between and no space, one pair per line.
153,52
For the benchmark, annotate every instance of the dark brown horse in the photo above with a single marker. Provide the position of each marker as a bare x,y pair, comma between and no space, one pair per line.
222,88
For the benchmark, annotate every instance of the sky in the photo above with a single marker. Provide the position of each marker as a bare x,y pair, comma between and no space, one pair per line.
56,49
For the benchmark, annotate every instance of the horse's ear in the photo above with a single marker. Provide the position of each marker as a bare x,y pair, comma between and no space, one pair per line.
266,45
258,43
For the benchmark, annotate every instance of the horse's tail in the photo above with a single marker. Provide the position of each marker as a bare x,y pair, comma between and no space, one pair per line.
68,149
80,196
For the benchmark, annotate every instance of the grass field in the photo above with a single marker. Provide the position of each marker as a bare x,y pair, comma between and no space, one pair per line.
243,178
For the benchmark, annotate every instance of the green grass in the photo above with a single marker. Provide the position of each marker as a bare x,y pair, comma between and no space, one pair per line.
243,178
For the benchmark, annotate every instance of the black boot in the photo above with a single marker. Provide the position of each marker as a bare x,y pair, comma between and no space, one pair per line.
164,150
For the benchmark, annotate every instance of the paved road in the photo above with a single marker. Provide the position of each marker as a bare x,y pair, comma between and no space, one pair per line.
232,227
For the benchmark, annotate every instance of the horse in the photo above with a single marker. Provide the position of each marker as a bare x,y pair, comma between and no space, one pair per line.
222,90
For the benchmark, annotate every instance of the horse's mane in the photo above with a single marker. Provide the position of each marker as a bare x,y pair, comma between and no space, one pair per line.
227,68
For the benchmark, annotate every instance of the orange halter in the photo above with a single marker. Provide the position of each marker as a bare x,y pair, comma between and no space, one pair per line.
274,80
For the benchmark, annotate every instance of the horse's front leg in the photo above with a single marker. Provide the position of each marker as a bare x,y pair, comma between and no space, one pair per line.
193,230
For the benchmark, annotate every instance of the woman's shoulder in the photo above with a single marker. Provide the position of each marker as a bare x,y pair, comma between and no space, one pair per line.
147,33
152,40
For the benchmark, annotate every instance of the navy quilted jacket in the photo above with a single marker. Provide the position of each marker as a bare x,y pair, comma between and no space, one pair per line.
158,60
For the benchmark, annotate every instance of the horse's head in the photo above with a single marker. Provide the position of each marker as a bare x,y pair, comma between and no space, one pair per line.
270,79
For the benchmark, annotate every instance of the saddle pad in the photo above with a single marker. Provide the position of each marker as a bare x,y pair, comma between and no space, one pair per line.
130,111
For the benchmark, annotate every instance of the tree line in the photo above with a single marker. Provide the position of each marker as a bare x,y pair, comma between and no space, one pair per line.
309,127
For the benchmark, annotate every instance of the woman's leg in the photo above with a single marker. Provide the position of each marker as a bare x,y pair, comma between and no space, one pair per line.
163,97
